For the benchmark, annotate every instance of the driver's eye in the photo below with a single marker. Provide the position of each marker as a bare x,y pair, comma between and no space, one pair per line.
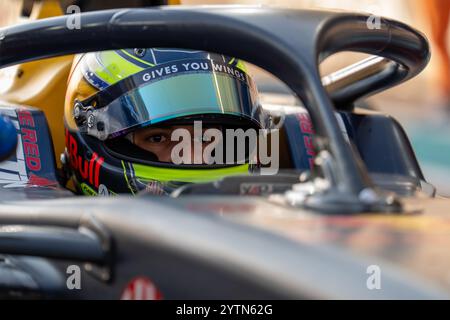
156,138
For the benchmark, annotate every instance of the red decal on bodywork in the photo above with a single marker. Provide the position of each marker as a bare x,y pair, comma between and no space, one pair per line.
305,124
83,167
25,118
73,152
307,129
91,168
29,135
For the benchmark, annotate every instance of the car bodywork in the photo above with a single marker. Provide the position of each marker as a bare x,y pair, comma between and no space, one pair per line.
257,237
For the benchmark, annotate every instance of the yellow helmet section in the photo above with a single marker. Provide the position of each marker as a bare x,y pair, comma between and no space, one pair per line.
77,88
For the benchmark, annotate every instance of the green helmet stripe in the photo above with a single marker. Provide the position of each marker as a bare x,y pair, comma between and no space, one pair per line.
126,177
187,175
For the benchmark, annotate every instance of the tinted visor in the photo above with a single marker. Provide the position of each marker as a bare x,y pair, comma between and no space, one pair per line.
169,91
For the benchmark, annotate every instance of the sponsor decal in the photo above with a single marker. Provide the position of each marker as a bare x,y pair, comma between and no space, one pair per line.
13,172
141,288
198,65
88,169
30,166
307,129
29,140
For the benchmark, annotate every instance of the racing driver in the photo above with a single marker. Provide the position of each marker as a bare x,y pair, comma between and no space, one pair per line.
123,107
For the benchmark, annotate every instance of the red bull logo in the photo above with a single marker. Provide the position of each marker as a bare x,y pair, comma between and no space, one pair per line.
88,169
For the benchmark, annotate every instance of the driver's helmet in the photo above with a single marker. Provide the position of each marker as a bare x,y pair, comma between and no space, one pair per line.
113,94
